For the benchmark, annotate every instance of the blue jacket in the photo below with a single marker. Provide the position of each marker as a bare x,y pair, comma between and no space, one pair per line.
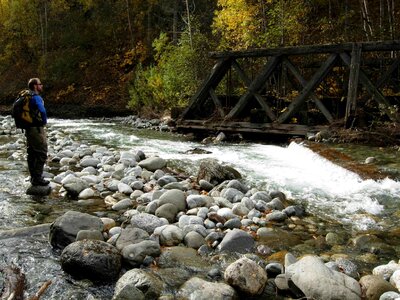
37,101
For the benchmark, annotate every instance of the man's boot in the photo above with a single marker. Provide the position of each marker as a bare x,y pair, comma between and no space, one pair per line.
37,173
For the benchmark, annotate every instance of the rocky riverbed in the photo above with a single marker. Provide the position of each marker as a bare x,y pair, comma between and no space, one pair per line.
166,235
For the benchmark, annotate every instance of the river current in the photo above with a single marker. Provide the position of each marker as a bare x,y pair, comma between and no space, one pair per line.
327,190
323,187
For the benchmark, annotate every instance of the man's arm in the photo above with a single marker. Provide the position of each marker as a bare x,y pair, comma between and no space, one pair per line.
40,105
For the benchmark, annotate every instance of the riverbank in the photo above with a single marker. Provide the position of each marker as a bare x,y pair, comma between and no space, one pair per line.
86,166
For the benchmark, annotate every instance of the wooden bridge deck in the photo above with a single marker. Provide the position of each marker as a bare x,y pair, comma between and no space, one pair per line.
285,94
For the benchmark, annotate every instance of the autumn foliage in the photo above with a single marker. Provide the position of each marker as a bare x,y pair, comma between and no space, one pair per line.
103,57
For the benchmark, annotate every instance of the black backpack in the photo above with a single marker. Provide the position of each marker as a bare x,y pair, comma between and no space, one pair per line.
22,110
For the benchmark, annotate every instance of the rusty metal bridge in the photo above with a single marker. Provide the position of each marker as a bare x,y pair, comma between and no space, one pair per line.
295,90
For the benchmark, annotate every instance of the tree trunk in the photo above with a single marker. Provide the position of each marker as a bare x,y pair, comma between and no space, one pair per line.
366,19
129,24
390,8
381,19
188,23
175,23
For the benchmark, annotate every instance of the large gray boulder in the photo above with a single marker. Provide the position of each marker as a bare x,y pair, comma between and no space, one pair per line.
213,172
153,163
91,259
138,284
237,240
66,227
317,281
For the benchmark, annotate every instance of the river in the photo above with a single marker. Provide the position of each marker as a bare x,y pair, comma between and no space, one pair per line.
335,195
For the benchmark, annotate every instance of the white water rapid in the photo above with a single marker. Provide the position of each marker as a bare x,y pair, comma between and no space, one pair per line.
326,189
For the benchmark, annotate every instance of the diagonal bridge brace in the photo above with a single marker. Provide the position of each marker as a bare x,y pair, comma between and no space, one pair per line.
254,88
308,88
296,73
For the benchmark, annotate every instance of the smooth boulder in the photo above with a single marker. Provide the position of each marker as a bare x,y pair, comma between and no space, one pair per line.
91,259
65,228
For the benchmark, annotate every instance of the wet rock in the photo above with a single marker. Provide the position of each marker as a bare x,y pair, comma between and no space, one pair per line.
205,185
247,276
198,201
175,197
200,229
386,271
333,238
123,204
186,220
389,296
170,235
124,188
276,216
129,236
147,222
261,195
135,254
233,223
395,279
240,209
37,190
370,160
237,240
86,193
91,259
89,235
183,258
273,269
66,227
164,180
153,163
276,204
211,171
236,184
310,269
232,194
347,267
374,286
194,240
138,284
167,211
200,289
226,213
89,162
74,186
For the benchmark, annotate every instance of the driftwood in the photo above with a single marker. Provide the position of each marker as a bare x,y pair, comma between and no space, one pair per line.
41,291
14,283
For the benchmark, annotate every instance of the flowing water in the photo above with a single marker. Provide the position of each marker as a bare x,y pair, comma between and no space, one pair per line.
324,187
327,190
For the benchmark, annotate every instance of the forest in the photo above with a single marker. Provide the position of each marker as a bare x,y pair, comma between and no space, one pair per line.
116,57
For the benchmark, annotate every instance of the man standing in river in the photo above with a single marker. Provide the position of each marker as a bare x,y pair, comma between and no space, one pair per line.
36,136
